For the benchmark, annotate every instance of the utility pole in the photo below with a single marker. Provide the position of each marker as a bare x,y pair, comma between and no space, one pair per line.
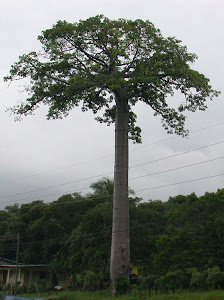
17,262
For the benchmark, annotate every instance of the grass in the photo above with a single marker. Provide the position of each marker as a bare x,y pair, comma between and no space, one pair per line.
105,295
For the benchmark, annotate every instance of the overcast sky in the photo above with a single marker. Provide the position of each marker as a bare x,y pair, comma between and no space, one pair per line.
43,159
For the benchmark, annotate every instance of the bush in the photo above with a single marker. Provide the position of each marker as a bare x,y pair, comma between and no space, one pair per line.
215,278
41,285
78,281
173,281
21,289
90,281
7,287
121,285
147,283
198,281
31,289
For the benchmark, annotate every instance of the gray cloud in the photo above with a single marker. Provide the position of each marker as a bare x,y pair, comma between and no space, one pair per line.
35,145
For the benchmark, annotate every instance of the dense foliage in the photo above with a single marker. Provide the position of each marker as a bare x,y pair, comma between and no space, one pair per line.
92,62
175,244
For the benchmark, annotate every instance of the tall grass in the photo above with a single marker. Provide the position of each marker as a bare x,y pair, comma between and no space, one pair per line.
216,295
105,295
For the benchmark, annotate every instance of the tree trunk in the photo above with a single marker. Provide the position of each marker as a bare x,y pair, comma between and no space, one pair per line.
120,247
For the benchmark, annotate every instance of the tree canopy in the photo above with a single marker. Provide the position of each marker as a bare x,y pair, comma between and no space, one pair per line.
88,61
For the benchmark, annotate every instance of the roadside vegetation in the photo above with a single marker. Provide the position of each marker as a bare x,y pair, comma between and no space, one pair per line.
176,245
105,295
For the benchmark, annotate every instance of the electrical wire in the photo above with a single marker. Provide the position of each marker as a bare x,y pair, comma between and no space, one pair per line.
137,177
149,162
106,156
181,182
141,190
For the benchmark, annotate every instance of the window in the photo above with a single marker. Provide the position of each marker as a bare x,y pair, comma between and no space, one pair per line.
11,273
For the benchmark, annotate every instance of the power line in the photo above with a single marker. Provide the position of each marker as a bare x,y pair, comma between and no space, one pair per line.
178,168
141,190
175,137
178,154
133,178
56,169
152,161
181,182
106,156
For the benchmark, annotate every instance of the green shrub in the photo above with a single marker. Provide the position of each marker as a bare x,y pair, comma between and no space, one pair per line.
7,287
215,278
21,289
198,281
41,285
90,281
78,281
173,281
147,283
121,285
31,289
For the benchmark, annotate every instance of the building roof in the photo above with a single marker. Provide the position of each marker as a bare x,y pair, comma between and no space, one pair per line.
4,262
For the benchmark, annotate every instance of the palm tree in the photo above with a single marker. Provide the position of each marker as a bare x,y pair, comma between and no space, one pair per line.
103,189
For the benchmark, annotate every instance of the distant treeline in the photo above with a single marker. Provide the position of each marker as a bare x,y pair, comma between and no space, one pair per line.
179,242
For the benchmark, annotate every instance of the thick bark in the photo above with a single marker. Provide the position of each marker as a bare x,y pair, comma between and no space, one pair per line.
120,247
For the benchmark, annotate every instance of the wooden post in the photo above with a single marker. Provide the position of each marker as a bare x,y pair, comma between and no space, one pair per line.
17,263
37,289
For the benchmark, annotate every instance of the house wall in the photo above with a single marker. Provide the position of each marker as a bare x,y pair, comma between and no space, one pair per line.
7,275
3,276
28,276
25,276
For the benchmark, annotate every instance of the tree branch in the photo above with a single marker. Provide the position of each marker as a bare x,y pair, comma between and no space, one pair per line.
132,62
90,56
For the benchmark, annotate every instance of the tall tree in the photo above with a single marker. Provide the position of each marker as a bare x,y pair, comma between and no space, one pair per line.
109,64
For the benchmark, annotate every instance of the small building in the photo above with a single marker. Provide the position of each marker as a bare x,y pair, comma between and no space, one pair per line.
28,274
